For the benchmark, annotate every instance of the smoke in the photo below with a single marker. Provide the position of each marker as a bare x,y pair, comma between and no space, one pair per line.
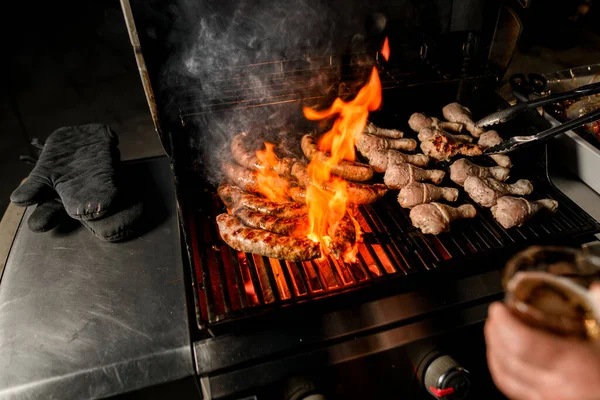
225,65
241,33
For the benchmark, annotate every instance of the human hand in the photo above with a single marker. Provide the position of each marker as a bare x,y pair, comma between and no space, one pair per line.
530,364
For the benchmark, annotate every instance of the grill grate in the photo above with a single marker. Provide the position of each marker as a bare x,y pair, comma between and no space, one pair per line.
281,82
233,285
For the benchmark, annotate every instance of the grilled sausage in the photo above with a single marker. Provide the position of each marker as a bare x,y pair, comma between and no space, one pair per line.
301,174
353,171
234,197
248,179
268,244
248,159
344,237
365,194
358,193
297,226
298,194
242,155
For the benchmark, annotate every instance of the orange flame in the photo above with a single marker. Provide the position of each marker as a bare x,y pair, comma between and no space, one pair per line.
327,197
267,176
350,256
385,50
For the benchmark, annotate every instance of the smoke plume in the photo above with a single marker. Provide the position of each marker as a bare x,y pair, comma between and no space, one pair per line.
225,61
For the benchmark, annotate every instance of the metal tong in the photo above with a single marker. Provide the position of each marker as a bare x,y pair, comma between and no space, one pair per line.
511,112
520,141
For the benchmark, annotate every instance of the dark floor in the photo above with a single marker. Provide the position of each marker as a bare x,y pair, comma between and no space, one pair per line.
67,70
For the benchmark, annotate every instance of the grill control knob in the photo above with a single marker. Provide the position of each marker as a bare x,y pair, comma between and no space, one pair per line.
445,379
302,388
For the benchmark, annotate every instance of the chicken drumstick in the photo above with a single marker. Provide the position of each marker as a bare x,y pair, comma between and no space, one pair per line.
417,193
514,211
400,175
455,112
489,139
461,169
420,121
486,191
379,160
434,218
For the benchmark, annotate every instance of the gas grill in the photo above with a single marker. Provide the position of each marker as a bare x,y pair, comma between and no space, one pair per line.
378,328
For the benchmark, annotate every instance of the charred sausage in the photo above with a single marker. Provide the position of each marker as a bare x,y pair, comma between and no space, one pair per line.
268,244
297,226
298,194
247,158
353,171
234,197
248,179
358,193
344,237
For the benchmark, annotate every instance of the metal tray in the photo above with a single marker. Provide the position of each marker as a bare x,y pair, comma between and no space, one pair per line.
572,78
577,154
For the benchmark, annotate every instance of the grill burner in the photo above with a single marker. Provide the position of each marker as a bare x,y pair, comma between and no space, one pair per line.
233,285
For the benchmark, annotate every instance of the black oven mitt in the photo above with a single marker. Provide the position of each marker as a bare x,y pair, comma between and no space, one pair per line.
78,163
125,223
47,216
